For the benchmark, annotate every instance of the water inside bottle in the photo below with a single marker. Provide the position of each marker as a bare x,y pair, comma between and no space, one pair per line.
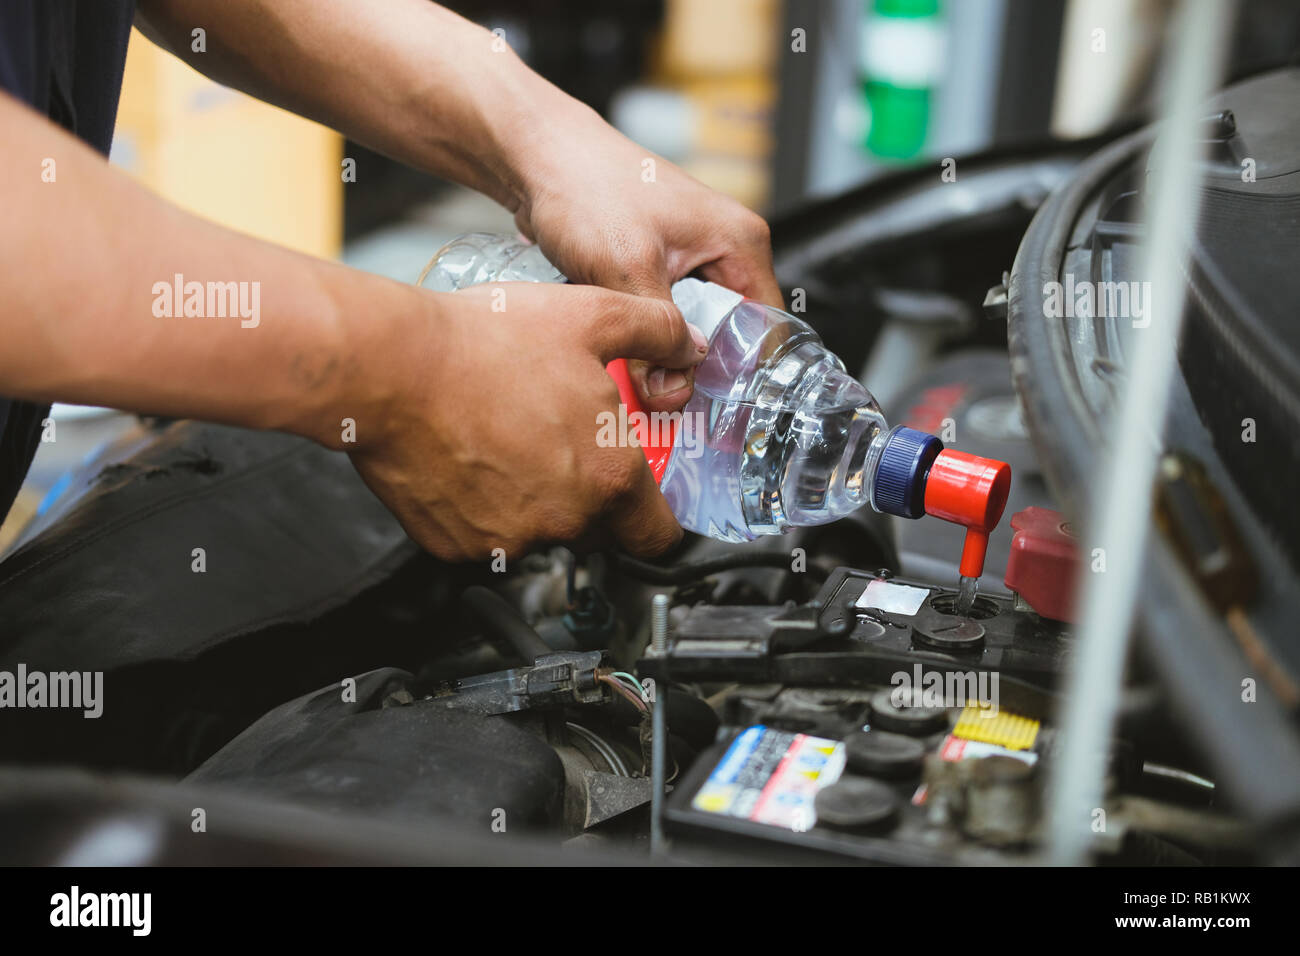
785,436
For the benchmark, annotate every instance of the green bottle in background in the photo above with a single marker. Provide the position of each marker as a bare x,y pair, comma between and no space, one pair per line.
902,56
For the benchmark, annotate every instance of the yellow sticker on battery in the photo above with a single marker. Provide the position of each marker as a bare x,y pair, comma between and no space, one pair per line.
981,723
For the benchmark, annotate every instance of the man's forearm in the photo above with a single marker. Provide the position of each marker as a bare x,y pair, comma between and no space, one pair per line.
89,311
405,77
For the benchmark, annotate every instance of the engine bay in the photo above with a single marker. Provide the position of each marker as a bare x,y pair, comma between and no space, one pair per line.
811,697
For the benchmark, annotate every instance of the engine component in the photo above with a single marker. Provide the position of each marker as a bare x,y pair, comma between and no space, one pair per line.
1002,800
883,754
841,638
316,751
496,614
900,714
856,803
1044,563
567,677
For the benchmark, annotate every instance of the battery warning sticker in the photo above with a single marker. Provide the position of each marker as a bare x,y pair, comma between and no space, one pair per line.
955,748
772,776
893,598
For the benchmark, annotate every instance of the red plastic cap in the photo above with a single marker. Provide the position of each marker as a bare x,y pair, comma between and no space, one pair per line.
656,445
1044,562
970,491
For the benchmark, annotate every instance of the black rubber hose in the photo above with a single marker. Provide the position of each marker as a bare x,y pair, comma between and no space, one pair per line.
497,615
688,571
691,718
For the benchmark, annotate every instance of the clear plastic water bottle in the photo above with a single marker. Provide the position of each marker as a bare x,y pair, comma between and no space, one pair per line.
479,257
787,437
777,435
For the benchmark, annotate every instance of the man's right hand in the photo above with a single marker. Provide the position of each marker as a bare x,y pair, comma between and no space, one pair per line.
486,434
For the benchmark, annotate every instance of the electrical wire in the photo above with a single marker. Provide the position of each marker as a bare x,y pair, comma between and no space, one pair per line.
640,689
1173,773
621,688
635,689
1257,653
607,753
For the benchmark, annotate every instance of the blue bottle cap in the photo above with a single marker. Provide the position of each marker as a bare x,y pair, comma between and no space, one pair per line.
899,487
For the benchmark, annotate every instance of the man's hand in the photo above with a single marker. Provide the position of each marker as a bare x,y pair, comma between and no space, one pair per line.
607,212
613,214
488,436
418,82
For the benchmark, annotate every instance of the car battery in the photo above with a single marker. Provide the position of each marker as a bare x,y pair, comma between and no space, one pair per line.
874,773
928,797
862,628
859,724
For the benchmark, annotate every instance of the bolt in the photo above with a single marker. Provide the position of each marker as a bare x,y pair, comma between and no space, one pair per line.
1220,126
659,624
837,627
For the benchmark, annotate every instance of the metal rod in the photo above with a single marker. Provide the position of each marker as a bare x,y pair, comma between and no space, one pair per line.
1120,513
658,727
658,773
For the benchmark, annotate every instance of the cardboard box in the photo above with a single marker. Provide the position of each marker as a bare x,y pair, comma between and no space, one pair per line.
226,156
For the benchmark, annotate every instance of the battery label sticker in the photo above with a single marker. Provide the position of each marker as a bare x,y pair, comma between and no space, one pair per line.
772,776
978,722
955,748
893,598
